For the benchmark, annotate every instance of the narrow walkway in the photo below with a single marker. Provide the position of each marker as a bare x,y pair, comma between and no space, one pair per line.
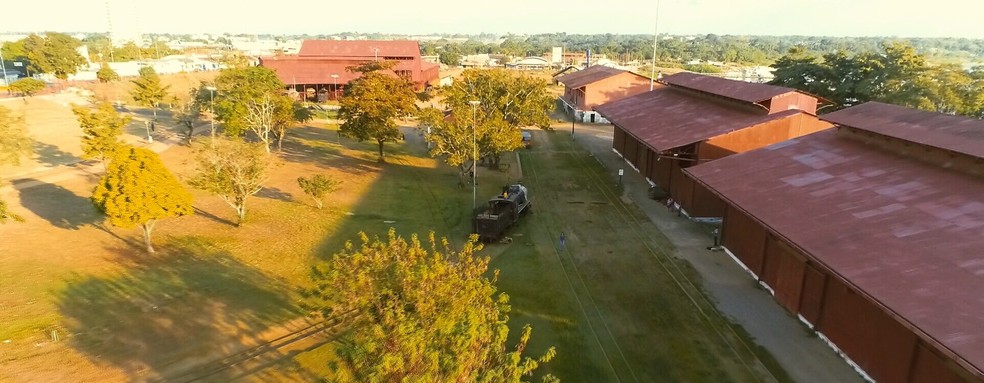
803,355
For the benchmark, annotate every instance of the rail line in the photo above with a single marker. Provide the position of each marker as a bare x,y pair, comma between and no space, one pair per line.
663,257
572,269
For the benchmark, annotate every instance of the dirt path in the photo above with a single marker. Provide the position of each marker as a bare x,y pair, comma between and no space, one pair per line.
801,354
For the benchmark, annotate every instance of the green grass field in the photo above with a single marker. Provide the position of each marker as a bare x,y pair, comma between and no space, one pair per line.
613,303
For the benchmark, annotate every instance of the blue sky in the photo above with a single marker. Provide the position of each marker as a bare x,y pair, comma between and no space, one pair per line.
901,18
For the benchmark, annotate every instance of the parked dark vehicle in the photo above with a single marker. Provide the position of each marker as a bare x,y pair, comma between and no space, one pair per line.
491,220
527,139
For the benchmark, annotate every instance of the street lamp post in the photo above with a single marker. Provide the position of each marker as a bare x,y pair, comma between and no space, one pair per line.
211,108
150,138
474,104
4,69
334,90
573,117
375,54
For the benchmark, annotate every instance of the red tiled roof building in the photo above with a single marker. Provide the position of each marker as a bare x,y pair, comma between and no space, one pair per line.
321,66
690,119
872,234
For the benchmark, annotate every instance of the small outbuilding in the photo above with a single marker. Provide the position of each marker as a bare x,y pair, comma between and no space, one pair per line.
595,85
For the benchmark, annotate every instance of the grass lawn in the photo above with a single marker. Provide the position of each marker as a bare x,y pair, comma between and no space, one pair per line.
607,301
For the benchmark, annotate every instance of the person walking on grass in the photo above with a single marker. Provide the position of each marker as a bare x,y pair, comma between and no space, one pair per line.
563,241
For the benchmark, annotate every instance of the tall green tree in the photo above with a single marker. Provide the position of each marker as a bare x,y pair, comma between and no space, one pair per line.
238,87
289,114
373,102
14,143
106,74
101,130
233,170
148,90
54,54
507,102
426,313
895,74
137,190
27,86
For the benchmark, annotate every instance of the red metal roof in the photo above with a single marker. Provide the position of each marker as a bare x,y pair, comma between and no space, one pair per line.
318,70
958,134
668,118
359,48
906,233
738,90
589,75
300,70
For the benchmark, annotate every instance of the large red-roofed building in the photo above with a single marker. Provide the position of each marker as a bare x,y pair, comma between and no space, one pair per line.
690,119
872,233
321,66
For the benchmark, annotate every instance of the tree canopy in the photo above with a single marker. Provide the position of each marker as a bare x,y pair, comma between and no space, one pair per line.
148,90
137,190
14,139
106,74
372,102
237,88
54,53
14,143
425,313
101,130
233,170
896,74
27,86
318,187
506,102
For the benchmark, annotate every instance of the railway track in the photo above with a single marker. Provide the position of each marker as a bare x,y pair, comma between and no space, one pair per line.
672,268
596,322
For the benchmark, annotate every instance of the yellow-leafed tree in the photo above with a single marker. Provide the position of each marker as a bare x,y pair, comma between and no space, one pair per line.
424,313
138,190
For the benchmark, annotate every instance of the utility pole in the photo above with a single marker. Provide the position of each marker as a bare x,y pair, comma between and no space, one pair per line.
652,74
474,104
4,69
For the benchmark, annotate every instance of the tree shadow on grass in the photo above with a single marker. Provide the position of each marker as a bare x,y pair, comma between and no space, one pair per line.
274,193
59,206
52,155
213,217
171,312
307,144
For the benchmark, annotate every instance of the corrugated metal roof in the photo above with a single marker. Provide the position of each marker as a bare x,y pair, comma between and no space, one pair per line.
316,70
589,75
954,133
906,233
668,118
738,90
359,48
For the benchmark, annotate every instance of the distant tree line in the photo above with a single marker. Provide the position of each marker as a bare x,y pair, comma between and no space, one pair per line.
893,73
758,50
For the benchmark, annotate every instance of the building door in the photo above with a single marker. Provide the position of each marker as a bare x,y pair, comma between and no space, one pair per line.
593,117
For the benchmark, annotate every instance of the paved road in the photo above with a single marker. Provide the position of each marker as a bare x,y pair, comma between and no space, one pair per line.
804,356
